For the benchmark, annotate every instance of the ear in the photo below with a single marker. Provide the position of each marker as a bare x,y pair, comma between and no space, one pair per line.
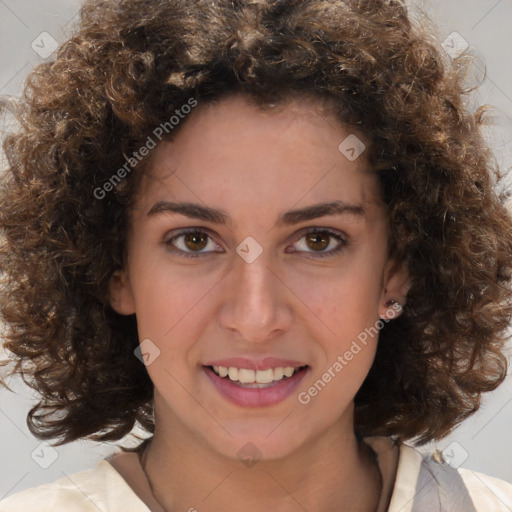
396,284
121,295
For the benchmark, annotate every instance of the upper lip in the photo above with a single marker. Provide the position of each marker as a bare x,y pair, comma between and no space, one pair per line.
255,364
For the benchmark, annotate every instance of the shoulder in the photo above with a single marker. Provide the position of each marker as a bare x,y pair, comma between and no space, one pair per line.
488,493
423,481
99,488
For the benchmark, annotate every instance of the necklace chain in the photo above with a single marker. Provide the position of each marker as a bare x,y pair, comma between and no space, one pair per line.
142,461
143,456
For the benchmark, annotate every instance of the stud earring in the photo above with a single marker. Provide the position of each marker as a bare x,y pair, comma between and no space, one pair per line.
395,308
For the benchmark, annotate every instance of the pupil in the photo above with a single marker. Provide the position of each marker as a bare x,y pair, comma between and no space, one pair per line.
318,241
196,241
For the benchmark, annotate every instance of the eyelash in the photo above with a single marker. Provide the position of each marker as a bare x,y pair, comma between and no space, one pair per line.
332,234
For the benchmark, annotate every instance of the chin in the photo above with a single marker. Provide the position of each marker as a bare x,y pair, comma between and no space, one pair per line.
266,441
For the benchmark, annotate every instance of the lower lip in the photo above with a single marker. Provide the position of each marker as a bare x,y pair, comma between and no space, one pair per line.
256,397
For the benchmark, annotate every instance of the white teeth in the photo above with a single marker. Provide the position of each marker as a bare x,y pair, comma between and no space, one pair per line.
264,376
288,371
247,376
221,370
278,373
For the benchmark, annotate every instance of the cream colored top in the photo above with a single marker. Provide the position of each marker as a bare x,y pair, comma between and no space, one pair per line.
120,486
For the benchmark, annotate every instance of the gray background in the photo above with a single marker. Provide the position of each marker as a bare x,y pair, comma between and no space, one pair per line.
482,443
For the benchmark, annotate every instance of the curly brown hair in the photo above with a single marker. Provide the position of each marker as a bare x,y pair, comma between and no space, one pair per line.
129,65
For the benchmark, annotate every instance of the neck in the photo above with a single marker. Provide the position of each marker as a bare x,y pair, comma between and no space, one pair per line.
333,472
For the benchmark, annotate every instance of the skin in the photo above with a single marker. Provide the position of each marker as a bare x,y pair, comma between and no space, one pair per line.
290,303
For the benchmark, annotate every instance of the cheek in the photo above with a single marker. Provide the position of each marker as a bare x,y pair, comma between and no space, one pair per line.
348,346
164,297
334,387
171,312
172,309
343,301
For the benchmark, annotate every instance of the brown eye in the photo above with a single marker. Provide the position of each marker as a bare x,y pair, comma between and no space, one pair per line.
196,241
318,241
192,243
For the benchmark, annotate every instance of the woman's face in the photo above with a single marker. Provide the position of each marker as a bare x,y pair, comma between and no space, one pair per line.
258,244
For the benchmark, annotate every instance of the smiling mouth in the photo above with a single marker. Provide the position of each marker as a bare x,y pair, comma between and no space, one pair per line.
249,378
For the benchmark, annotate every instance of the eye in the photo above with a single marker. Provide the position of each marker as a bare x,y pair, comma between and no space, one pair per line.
196,242
192,243
321,241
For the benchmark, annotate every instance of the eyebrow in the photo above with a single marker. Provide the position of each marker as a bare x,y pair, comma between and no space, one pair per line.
197,211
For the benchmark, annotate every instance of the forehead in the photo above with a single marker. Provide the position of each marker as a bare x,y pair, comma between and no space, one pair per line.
233,151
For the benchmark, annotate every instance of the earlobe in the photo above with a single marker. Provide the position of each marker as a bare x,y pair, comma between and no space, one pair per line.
120,291
394,295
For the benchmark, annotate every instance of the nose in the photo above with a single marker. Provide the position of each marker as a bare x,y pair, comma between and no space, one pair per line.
257,306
